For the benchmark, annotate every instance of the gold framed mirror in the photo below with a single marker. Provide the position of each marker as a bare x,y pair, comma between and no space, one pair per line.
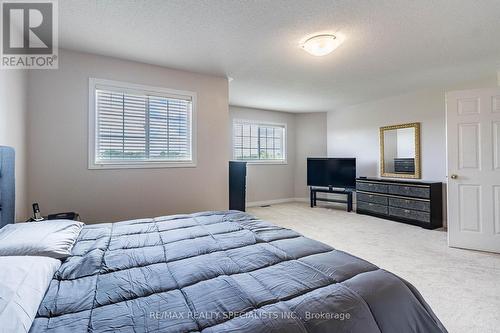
400,151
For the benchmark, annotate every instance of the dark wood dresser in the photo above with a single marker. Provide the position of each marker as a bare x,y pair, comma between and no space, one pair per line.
412,202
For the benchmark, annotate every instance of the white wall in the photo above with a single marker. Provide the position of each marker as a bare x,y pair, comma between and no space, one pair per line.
269,181
350,132
306,137
58,131
311,132
406,142
390,149
354,131
13,109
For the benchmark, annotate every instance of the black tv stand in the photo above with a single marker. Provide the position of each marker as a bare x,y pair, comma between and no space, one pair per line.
347,192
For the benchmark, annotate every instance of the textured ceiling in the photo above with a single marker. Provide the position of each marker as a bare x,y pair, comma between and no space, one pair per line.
391,46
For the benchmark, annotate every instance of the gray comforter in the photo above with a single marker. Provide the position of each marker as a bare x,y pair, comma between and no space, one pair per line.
222,272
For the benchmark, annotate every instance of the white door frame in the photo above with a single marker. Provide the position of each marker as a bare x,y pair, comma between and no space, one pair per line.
473,167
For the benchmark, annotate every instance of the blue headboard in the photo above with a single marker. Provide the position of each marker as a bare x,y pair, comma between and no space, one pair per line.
7,186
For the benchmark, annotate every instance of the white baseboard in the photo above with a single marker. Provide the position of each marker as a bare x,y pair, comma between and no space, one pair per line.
280,201
268,202
275,202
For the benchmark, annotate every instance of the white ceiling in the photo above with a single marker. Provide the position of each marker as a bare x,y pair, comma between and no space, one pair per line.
391,47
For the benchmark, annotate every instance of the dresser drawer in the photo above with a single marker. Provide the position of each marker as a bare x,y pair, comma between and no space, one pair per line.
373,198
371,207
371,187
410,214
410,204
411,191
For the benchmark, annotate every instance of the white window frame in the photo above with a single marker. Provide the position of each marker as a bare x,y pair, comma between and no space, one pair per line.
94,83
261,123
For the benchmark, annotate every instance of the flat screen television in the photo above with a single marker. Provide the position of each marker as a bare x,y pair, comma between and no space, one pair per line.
331,172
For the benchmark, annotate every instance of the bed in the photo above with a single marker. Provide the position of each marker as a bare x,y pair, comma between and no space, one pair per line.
221,271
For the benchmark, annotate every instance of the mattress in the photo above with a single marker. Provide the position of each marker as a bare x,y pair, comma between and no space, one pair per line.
222,272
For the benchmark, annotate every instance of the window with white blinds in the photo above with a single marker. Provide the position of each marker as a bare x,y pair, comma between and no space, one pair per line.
138,127
258,142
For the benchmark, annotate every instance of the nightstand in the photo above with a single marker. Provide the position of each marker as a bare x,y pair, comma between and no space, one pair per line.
59,216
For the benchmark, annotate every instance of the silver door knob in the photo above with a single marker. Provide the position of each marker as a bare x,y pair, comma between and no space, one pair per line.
454,176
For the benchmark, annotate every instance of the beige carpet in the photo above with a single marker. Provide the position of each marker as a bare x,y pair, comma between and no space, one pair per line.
463,287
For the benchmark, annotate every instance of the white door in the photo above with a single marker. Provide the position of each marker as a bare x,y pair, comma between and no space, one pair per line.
473,140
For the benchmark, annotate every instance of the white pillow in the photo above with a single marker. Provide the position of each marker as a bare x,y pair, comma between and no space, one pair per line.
23,283
53,238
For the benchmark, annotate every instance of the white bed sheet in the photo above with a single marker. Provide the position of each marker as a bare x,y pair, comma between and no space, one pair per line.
23,283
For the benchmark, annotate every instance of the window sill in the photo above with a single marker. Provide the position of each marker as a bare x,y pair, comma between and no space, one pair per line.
264,162
143,165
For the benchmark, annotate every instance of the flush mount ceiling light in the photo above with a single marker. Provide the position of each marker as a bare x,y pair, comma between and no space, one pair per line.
321,45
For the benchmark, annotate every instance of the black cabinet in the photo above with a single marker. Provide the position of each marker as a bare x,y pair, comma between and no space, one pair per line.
237,185
418,203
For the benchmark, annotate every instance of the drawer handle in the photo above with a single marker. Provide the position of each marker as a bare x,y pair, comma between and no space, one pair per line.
370,196
407,201
407,211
